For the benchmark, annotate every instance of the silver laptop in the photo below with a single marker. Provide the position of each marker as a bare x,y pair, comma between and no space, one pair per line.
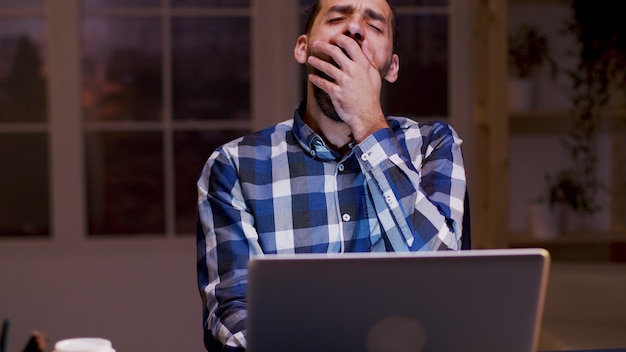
478,300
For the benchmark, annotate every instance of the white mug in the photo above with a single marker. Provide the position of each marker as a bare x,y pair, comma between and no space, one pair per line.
84,344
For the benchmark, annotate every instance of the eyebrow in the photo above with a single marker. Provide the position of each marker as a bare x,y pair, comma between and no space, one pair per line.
348,9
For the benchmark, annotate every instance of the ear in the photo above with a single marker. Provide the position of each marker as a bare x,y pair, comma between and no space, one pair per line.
300,51
394,68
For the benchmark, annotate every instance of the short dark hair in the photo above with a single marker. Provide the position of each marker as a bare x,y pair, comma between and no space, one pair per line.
314,10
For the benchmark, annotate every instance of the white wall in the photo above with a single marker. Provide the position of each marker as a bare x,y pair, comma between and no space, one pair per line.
140,295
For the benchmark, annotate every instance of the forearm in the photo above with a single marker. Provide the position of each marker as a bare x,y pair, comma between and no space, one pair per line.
417,188
222,287
223,254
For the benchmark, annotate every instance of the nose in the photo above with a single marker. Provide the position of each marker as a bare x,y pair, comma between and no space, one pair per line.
354,30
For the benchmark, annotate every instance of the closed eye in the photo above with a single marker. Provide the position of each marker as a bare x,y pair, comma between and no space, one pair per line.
376,28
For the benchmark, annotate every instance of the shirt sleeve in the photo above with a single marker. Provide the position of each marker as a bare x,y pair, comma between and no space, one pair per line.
224,249
417,184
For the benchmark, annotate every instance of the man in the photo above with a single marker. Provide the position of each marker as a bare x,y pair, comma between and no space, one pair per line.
338,177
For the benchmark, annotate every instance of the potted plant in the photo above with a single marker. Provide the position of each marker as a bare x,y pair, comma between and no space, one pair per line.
597,78
546,211
567,189
528,51
564,191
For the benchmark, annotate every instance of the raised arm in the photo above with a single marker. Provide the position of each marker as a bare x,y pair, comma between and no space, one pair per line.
417,182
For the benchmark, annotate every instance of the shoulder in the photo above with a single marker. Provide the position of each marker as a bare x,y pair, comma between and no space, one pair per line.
426,132
265,138
248,151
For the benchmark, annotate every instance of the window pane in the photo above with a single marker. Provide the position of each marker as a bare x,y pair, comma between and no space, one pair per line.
422,86
397,3
211,3
22,77
24,193
122,69
420,2
306,3
192,149
13,4
211,68
125,183
91,4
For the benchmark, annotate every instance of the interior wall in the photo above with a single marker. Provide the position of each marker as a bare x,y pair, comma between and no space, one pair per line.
141,296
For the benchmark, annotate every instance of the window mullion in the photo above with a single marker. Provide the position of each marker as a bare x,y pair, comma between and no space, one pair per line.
168,132
66,135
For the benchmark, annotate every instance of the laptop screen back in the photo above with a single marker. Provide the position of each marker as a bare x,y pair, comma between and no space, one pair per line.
479,300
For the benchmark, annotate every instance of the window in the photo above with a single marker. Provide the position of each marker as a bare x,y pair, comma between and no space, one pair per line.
24,180
421,90
140,92
157,80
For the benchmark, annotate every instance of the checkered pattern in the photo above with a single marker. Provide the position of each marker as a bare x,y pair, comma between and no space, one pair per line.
281,190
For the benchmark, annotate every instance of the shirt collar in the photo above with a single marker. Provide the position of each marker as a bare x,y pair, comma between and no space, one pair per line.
310,141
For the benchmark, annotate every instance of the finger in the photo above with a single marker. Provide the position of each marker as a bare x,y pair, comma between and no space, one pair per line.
327,68
330,52
369,54
350,47
322,83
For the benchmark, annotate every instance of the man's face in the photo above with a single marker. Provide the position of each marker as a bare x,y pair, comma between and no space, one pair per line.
363,20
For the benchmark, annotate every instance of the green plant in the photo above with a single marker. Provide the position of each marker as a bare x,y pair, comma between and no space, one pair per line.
528,51
566,188
600,72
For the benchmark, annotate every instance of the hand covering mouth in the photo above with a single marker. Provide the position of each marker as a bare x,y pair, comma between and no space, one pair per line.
332,62
324,76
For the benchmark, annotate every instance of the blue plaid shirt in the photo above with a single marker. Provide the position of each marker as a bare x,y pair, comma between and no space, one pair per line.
281,190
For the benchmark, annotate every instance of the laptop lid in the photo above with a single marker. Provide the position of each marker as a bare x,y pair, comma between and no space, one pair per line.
478,300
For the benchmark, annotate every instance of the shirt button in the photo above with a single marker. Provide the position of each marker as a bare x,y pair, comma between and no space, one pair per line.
364,157
346,217
312,152
341,167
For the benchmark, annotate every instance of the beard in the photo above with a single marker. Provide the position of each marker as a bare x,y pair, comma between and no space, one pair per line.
322,98
326,104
